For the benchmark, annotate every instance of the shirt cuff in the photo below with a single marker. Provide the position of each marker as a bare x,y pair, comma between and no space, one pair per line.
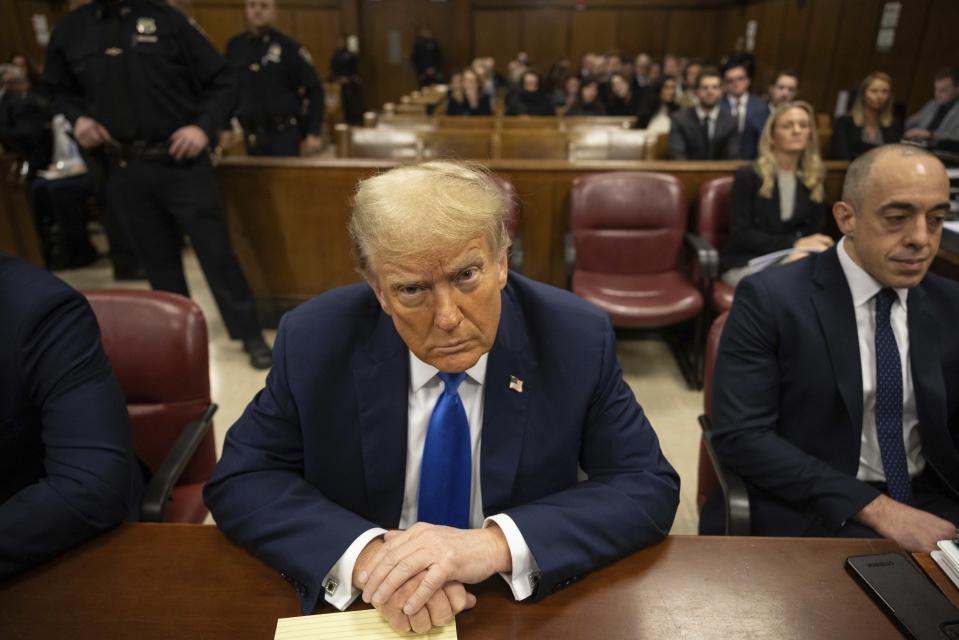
524,577
338,584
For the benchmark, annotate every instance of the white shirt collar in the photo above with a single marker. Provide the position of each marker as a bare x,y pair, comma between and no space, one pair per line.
862,285
712,113
421,373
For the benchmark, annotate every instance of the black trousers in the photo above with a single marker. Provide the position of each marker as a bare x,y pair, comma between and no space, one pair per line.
274,143
159,201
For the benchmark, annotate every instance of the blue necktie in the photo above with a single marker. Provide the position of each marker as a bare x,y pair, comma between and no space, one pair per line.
446,471
889,402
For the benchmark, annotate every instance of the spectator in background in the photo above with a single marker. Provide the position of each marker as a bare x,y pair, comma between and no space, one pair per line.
937,123
785,88
469,100
686,87
640,76
516,68
671,66
748,112
622,101
427,58
344,70
565,97
555,81
778,201
30,71
870,122
704,132
739,55
655,72
588,103
530,99
658,106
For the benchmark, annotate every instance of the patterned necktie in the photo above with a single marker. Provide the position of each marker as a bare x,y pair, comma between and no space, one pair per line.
446,471
889,402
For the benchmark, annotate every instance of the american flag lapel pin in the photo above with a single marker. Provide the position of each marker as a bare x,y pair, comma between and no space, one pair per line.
516,384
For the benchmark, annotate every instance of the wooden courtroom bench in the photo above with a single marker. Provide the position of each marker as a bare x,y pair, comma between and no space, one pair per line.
288,216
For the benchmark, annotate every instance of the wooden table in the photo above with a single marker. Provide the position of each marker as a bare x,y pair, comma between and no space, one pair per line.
186,581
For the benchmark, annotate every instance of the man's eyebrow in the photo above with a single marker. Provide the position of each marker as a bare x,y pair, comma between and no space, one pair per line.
896,204
467,261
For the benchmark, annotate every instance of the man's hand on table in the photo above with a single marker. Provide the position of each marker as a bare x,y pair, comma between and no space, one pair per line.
914,529
418,574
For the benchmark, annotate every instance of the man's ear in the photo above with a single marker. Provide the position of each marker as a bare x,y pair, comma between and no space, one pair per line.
504,268
377,291
845,217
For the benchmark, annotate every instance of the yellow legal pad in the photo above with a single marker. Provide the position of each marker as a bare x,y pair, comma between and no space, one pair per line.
351,625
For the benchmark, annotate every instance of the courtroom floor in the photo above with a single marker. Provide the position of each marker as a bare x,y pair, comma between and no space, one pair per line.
648,366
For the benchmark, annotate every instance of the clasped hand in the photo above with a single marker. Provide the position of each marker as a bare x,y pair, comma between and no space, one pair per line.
415,577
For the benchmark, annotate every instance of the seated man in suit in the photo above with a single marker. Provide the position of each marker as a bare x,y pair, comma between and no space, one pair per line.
836,389
67,469
450,402
937,123
704,131
747,111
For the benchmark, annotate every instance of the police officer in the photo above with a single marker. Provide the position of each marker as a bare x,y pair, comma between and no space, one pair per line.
135,77
280,96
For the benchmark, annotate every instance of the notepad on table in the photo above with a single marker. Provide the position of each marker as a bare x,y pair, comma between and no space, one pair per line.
351,625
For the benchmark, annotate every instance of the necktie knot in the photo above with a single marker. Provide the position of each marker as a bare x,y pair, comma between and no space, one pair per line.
884,301
451,381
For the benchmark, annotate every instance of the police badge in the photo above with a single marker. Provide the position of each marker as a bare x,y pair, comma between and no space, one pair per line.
274,52
146,26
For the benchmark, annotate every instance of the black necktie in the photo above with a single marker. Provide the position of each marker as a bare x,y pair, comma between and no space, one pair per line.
889,402
707,139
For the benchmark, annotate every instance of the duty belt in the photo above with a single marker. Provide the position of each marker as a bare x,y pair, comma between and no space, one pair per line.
139,150
275,124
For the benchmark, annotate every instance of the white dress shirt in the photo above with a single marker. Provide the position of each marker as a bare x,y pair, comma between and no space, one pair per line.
425,390
864,289
737,106
712,114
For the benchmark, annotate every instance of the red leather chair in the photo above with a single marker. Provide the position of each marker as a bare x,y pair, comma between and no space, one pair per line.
512,222
711,472
712,225
157,345
629,235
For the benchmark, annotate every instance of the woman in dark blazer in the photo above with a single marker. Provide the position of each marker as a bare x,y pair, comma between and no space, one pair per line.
470,100
869,123
778,202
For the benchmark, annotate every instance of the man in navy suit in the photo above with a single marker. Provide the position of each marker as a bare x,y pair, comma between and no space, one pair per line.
748,111
424,430
67,470
836,388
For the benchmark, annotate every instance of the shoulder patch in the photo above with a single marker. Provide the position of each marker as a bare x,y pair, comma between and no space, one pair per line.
305,54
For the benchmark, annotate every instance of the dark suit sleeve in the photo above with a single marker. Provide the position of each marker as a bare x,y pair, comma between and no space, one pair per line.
261,499
628,502
748,238
677,142
746,411
92,481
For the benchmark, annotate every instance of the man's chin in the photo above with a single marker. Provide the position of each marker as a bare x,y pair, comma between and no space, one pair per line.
455,361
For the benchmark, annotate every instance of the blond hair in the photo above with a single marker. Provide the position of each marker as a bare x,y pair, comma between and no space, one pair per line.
809,170
425,210
885,118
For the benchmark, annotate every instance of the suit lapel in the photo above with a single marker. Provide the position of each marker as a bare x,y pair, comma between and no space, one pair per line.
929,387
381,372
837,321
505,410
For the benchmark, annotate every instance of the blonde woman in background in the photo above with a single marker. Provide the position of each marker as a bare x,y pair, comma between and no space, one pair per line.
778,202
870,122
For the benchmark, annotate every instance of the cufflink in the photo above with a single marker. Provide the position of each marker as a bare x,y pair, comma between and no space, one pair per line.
330,585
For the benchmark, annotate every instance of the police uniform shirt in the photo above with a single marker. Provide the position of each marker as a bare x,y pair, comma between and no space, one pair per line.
140,69
272,70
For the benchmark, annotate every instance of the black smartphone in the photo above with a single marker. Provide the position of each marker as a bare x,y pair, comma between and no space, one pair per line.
906,593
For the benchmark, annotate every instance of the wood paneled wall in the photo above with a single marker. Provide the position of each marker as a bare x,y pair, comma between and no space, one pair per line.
831,43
